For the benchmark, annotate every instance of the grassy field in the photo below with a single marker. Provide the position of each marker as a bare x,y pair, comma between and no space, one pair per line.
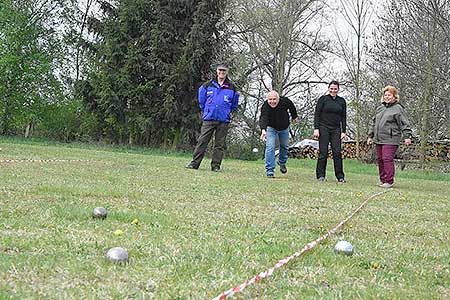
201,233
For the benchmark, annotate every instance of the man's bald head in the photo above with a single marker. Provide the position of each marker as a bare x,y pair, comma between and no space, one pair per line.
273,98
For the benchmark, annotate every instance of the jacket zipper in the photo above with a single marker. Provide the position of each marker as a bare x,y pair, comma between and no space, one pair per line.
381,117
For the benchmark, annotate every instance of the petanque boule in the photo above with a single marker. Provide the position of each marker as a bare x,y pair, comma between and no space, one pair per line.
255,150
99,213
117,255
343,247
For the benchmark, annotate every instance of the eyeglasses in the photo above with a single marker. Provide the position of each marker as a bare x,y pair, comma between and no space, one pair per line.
223,70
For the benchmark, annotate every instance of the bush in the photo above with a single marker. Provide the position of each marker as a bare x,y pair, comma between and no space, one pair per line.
67,122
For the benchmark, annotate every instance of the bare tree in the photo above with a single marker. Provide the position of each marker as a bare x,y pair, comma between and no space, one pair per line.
357,14
411,51
274,34
79,44
277,44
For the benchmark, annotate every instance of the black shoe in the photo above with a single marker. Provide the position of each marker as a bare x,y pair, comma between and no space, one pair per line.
341,180
191,166
321,179
215,169
283,169
270,176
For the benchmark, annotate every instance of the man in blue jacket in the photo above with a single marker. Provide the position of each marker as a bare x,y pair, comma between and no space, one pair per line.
217,98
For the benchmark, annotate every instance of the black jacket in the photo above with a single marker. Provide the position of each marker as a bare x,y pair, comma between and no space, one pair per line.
331,113
277,117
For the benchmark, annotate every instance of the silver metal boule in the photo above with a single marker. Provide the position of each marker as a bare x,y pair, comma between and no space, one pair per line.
117,255
99,213
255,150
344,247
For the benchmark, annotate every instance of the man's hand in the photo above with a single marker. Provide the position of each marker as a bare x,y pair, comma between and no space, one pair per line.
316,133
369,141
343,136
296,120
263,135
407,142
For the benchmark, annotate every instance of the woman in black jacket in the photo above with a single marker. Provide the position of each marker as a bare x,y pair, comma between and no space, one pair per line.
330,122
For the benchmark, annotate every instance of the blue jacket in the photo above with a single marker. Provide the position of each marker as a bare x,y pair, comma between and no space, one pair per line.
217,102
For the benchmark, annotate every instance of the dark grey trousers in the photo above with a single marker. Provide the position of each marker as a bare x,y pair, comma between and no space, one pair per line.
220,130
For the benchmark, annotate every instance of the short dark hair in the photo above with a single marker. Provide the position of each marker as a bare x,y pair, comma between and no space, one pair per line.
334,82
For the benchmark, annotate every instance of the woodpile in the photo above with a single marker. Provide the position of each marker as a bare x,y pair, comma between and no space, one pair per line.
303,152
438,150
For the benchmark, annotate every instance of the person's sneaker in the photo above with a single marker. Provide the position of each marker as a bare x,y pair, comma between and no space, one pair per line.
191,166
321,179
270,176
283,168
387,185
215,169
341,180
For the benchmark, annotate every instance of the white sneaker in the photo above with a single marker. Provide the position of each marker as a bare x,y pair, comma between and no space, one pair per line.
387,185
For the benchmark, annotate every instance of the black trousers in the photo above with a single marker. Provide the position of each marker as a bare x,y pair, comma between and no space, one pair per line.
220,130
327,136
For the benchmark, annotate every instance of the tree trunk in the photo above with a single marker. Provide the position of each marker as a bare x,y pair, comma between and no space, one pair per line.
28,129
176,139
424,126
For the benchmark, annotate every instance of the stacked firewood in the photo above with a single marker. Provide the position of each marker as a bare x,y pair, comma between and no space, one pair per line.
439,150
303,152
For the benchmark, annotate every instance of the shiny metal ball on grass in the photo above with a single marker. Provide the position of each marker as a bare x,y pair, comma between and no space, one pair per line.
117,255
343,247
99,213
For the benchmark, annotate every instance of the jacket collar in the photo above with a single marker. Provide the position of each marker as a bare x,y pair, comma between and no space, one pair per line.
390,104
226,83
329,96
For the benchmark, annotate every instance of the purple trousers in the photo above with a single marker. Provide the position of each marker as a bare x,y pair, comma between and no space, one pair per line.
386,168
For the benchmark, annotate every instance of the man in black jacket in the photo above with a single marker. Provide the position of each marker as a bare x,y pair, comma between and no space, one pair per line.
330,122
274,121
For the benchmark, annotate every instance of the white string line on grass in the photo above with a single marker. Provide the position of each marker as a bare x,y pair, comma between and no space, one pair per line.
229,293
41,160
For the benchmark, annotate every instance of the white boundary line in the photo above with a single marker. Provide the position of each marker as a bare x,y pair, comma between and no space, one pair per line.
41,160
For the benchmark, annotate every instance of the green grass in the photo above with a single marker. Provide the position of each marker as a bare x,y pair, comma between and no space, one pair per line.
201,233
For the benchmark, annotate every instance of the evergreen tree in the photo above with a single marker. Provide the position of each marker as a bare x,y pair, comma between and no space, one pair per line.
148,65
